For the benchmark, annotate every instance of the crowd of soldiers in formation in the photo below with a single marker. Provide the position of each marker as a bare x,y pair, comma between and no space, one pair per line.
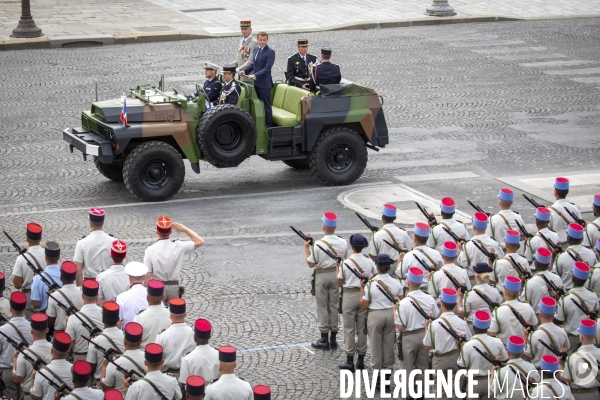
94,328
502,301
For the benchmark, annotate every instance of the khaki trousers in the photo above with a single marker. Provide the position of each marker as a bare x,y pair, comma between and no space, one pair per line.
574,342
171,292
481,387
354,324
327,297
413,351
381,330
29,307
13,390
77,357
443,364
586,396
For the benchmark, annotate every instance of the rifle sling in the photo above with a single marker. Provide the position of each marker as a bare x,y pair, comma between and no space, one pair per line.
385,287
517,313
483,296
583,303
391,236
505,221
92,323
549,337
450,275
433,264
34,259
54,375
576,254
162,396
18,332
449,326
589,364
485,347
521,370
515,267
560,215
139,369
113,344
357,266
549,386
67,299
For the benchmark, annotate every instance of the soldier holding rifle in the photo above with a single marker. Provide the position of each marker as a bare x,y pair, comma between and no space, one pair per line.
471,254
543,283
504,323
593,282
48,279
560,218
510,263
587,354
420,254
438,235
57,374
442,279
542,219
592,232
516,368
550,386
575,252
68,294
482,296
548,332
391,233
506,219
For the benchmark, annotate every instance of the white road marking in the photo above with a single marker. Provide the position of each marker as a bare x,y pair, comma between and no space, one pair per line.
437,177
310,351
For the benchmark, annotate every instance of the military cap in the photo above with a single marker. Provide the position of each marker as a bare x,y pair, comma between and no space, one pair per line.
155,288
512,237
326,50
90,287
34,231
543,214
118,249
482,319
81,371
194,385
598,245
415,275
2,280
163,224
136,269
113,394
506,194
581,270
245,23
358,241
110,310
134,332
549,363
512,283
96,214
39,322
561,183
153,353
177,306
421,229
389,210
18,301
482,267
229,68
575,231
597,200
449,296
202,329
209,65
227,354
383,259
62,341
448,205
516,344
587,327
262,392
543,256
480,220
548,305
450,250
52,248
302,42
330,219
68,270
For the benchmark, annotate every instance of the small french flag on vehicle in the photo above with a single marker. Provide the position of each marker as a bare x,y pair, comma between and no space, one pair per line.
123,116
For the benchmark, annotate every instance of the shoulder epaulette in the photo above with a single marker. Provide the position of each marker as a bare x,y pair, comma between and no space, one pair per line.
214,380
169,374
162,331
241,378
111,235
175,240
83,237
141,311
591,290
187,353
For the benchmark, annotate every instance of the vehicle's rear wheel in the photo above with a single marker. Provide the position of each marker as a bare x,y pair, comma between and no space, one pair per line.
226,134
339,157
302,163
114,172
153,171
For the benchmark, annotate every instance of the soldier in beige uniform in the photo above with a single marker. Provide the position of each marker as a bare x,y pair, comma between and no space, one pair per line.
560,217
164,258
69,295
114,280
548,331
550,387
564,262
178,339
542,219
229,386
380,296
156,317
569,311
470,254
583,386
57,371
411,323
4,303
82,372
92,252
22,272
592,230
470,358
506,219
439,280
511,389
245,52
203,360
91,313
353,315
439,235
326,287
593,282
473,300
445,349
508,264
420,253
504,320
392,234
537,286
111,338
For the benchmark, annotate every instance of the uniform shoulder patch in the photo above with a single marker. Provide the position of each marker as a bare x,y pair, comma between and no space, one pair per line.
141,311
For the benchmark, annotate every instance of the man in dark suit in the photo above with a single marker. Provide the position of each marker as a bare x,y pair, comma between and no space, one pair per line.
298,66
260,72
325,73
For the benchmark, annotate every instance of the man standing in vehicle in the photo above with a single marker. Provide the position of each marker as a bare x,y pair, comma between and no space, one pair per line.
298,66
260,72
245,53
325,73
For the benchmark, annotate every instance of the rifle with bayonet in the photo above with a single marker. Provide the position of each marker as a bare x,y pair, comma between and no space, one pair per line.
523,230
430,218
477,208
70,310
554,350
592,314
454,236
488,254
397,248
367,223
559,290
576,218
526,325
522,272
302,235
531,201
110,355
36,270
492,305
422,312
456,283
452,333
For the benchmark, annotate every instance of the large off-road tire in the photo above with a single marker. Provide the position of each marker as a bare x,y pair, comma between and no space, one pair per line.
226,134
114,172
153,171
303,163
339,157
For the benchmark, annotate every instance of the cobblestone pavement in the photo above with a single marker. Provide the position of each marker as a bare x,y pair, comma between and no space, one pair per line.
73,18
497,99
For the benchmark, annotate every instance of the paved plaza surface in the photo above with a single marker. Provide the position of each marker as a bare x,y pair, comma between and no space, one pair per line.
470,107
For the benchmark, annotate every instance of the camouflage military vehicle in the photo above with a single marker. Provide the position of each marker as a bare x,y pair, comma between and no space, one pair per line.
328,133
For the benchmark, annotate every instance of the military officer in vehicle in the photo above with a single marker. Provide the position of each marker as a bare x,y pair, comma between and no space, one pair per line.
298,66
245,53
212,85
230,93
324,73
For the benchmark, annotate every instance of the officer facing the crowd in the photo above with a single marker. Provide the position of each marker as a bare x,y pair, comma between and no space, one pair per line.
324,73
299,65
230,93
92,252
22,272
229,386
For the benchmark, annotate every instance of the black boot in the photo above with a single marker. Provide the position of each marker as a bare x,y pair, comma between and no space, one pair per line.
360,363
333,341
322,343
349,364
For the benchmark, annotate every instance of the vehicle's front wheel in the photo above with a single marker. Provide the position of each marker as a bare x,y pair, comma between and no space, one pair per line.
153,171
114,172
339,157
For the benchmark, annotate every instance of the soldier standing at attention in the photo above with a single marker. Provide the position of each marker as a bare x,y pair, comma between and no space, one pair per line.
324,73
472,301
69,294
39,289
194,388
228,386
536,287
178,339
542,219
245,53
392,234
564,262
505,219
421,252
230,93
560,218
298,66
4,303
470,254
440,279
379,296
203,360
82,372
593,282
353,314
550,387
22,272
164,258
548,331
438,234
92,252
592,232
326,287
59,370
111,338
504,321
583,388
508,265
134,300
114,280
91,313
156,318
503,380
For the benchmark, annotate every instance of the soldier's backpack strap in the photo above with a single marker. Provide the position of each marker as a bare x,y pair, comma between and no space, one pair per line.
157,390
391,236
139,368
560,215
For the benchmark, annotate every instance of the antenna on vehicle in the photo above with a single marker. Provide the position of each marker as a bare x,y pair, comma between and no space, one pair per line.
96,84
